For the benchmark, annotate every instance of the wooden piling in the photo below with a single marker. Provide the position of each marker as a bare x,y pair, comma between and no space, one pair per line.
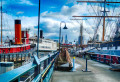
16,58
13,57
8,57
21,57
0,58
4,57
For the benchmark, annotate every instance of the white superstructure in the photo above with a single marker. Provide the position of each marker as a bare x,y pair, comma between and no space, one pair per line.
45,44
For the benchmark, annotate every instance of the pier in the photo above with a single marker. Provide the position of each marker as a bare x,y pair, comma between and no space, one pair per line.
43,70
60,41
99,73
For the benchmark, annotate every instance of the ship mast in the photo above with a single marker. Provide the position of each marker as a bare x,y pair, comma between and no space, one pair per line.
1,22
104,16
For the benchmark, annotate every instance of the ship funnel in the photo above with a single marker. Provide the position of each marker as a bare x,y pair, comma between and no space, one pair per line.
18,32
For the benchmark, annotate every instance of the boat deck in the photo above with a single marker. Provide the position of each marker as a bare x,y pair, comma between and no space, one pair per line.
99,73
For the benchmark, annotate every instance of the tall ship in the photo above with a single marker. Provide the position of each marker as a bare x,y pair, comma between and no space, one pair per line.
108,49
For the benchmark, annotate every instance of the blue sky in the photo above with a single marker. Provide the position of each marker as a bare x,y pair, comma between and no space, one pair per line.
52,13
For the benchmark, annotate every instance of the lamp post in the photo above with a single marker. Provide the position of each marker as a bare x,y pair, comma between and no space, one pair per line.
60,33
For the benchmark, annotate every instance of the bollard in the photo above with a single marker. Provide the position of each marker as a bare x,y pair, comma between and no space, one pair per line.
86,69
73,69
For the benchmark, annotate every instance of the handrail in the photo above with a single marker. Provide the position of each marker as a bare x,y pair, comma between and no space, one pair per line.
18,72
43,73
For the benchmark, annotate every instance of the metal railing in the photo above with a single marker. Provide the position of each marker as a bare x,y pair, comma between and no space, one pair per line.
38,70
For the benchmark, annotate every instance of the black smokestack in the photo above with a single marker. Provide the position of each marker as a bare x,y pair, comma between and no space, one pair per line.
41,33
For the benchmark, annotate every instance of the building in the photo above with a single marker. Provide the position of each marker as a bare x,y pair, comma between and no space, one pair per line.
66,40
56,41
70,42
79,40
62,40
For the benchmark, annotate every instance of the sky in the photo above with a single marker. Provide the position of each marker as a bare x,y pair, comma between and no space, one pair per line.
52,12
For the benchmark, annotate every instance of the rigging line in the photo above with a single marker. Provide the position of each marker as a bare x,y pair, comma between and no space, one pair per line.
112,23
9,27
84,28
118,10
93,9
108,18
112,28
91,15
99,23
114,8
88,33
113,32
97,29
6,23
77,21
90,24
115,24
111,18
73,23
106,23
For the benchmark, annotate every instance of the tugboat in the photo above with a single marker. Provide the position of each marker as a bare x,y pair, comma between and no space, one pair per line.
21,43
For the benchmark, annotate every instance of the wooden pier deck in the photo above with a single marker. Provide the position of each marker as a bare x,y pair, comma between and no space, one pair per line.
99,73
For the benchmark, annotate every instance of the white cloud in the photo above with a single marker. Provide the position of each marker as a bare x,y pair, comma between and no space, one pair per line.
47,35
26,22
20,12
26,2
51,21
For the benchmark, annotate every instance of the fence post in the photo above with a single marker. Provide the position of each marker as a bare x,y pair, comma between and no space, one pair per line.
37,68
49,58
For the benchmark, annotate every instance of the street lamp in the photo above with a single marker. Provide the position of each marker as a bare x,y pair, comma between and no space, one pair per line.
60,33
